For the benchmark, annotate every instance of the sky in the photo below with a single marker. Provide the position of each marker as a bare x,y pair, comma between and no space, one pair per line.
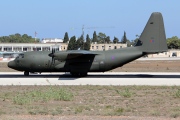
52,18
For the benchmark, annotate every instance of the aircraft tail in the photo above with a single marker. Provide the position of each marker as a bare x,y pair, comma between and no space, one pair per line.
153,37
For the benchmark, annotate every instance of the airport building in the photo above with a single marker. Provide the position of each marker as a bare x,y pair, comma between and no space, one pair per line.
11,50
8,50
100,47
24,47
169,53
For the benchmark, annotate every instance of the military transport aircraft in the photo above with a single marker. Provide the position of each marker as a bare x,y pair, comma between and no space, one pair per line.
80,62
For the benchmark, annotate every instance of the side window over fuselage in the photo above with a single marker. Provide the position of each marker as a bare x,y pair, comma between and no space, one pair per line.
20,56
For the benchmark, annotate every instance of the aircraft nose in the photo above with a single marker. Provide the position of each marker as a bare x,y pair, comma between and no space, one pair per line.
11,64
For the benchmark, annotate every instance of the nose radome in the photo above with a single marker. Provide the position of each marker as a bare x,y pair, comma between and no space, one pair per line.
11,64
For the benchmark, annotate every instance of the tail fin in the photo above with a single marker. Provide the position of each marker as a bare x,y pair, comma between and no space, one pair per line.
153,37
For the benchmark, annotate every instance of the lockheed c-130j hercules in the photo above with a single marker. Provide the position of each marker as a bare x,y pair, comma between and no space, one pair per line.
80,62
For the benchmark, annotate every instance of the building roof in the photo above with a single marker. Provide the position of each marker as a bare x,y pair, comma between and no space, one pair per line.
52,40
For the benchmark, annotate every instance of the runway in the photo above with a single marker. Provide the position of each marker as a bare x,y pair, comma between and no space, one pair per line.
107,78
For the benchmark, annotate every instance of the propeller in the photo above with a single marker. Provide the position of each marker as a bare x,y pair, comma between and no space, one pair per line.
52,55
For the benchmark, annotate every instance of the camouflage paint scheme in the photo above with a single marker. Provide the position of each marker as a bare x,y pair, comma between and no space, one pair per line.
80,62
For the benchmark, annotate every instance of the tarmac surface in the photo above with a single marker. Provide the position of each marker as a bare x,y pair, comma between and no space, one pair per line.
107,78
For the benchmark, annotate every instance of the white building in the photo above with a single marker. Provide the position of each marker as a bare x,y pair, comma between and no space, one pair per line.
52,40
23,47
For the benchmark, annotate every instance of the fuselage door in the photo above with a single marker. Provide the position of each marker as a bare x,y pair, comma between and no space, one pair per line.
101,65
47,63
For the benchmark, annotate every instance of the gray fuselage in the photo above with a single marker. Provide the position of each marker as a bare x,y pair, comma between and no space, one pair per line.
39,61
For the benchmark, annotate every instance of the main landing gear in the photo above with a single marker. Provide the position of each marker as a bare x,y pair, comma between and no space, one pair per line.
82,74
26,73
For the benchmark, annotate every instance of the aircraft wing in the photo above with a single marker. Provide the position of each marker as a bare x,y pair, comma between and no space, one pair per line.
80,54
77,60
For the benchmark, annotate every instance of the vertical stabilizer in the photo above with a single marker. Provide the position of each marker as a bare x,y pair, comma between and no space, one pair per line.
153,37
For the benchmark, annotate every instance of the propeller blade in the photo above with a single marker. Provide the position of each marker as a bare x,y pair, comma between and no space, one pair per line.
52,55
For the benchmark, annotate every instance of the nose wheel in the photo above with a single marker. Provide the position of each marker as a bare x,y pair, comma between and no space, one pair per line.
26,73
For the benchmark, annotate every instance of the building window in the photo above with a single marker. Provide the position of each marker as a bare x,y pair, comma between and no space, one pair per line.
109,47
26,48
46,49
7,48
38,48
35,48
120,46
103,47
17,48
96,47
93,47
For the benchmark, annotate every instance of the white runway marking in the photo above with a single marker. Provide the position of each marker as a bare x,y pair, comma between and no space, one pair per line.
120,78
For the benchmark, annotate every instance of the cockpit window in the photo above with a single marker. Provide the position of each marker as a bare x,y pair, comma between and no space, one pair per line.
20,56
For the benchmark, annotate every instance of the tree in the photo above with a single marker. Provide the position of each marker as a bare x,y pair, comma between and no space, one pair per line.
101,37
115,40
173,43
94,37
134,42
25,37
17,38
87,44
66,38
124,38
72,43
128,43
107,39
80,43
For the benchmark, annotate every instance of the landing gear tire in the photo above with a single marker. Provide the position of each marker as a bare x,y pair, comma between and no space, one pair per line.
78,74
26,73
83,74
74,73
